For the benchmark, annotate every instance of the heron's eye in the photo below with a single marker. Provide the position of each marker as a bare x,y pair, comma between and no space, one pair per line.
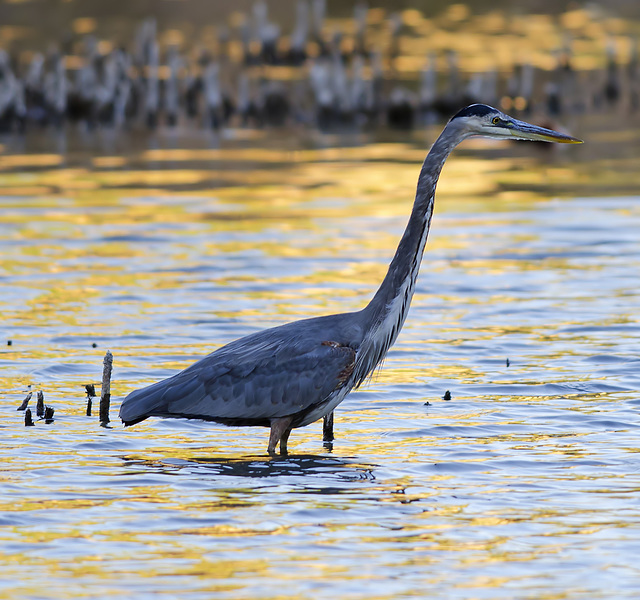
495,120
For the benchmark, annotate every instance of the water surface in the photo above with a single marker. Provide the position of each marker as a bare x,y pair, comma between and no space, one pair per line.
525,484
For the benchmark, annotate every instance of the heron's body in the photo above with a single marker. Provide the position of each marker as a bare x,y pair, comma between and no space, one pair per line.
296,370
295,374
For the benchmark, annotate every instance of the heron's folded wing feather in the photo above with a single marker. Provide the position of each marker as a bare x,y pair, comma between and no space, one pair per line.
260,380
284,382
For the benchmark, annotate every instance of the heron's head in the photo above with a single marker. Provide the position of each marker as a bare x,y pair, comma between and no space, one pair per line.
480,119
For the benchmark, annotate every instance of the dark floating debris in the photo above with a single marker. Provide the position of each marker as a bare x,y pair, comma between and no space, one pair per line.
48,414
25,402
105,397
94,345
508,363
9,343
40,405
28,420
447,395
91,393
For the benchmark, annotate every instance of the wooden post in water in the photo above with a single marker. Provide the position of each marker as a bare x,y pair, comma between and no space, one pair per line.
105,394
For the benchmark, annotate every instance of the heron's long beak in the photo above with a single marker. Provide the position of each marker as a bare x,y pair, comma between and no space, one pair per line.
526,131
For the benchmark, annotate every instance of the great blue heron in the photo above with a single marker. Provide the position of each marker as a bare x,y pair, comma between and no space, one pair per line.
292,375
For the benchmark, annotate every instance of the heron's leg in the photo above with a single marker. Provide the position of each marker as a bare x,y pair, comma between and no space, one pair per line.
283,441
280,430
327,428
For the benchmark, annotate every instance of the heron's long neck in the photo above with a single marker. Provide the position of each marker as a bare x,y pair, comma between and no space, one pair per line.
385,314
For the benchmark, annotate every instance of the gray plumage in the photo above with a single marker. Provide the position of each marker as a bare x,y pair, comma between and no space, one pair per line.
292,375
275,373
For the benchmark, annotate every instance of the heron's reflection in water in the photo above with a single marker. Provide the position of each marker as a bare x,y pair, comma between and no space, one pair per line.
307,466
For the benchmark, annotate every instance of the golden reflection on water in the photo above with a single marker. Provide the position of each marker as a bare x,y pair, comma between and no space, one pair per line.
164,255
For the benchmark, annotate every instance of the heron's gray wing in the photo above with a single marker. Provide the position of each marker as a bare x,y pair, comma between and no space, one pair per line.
284,383
251,380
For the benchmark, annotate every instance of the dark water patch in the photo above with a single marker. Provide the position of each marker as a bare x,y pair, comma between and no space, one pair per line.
183,270
64,370
612,425
136,238
75,340
543,389
124,298
542,256
460,467
292,466
609,359
613,327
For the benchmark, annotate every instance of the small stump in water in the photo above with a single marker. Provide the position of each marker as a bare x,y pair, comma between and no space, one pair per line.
40,405
91,394
48,414
25,402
